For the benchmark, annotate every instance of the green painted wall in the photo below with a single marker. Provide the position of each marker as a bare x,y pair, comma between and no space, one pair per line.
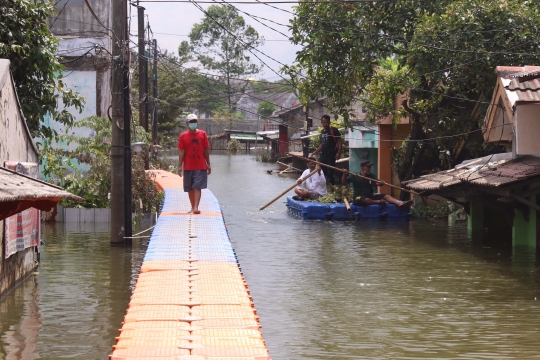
356,156
523,231
475,220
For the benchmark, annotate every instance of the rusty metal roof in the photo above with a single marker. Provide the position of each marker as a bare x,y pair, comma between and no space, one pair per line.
478,173
18,187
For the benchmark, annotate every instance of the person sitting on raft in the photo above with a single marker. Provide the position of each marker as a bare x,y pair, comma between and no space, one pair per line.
315,185
363,188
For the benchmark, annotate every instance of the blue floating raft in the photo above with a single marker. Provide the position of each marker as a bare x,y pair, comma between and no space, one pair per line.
307,210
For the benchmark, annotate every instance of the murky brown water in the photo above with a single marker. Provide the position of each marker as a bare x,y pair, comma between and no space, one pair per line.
323,290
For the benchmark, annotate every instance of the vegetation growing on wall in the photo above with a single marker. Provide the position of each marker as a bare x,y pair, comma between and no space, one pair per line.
25,39
63,166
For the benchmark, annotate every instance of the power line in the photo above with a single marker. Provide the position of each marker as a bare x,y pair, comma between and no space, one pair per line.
270,2
240,41
60,12
160,33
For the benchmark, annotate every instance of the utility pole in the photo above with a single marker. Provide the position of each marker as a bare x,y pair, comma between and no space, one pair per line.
120,184
155,96
143,77
128,221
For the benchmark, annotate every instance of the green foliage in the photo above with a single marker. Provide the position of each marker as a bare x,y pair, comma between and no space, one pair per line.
266,109
223,49
439,54
279,86
338,191
95,151
227,117
441,210
25,39
388,82
234,146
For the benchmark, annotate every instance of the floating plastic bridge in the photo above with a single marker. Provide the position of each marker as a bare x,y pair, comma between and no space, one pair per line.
190,301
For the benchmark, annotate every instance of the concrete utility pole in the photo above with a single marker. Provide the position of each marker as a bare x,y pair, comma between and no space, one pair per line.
143,74
155,96
120,204
143,78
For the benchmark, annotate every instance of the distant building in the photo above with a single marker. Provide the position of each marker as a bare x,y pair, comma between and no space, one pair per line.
246,101
85,47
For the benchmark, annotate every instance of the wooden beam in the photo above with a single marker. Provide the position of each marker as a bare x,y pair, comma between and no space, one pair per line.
508,212
529,193
526,202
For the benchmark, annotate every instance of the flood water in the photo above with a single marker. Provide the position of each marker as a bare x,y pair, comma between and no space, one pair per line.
323,290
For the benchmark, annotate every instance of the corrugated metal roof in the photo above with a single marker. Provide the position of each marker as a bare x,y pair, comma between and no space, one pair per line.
18,187
250,137
478,174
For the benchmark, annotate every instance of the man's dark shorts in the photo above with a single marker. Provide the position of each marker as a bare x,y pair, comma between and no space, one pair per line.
195,179
362,200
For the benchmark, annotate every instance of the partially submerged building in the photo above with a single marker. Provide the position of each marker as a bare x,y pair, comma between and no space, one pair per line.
501,192
22,195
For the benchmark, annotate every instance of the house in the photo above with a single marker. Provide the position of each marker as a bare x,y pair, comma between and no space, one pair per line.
500,192
513,121
21,194
290,121
84,48
246,102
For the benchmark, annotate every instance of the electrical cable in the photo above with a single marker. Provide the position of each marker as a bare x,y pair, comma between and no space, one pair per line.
57,15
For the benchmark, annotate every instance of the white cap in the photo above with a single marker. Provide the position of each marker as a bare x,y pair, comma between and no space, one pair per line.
191,117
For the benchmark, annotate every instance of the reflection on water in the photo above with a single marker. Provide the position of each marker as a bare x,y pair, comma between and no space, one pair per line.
323,290
73,306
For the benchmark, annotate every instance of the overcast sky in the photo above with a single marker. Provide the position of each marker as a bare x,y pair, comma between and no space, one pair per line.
178,19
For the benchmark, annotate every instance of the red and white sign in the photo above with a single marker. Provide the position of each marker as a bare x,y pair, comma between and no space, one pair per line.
22,230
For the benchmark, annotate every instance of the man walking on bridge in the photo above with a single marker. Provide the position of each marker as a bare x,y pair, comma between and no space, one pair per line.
194,159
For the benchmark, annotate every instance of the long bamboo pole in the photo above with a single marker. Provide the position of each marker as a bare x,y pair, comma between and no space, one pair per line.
347,205
353,174
286,191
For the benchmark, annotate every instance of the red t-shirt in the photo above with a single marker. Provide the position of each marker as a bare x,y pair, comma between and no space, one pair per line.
194,145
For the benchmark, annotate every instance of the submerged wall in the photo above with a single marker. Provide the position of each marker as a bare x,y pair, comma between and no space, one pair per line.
15,145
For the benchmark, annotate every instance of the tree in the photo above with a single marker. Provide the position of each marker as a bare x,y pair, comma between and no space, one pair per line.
94,185
266,109
221,42
25,39
279,86
442,55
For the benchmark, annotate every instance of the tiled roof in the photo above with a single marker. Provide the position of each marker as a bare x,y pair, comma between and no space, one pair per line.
477,172
530,72
522,84
511,71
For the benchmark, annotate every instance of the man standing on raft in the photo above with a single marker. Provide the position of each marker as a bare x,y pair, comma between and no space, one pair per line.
363,188
330,148
194,159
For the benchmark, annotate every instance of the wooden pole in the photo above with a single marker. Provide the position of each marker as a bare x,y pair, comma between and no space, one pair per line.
353,174
286,191
347,205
